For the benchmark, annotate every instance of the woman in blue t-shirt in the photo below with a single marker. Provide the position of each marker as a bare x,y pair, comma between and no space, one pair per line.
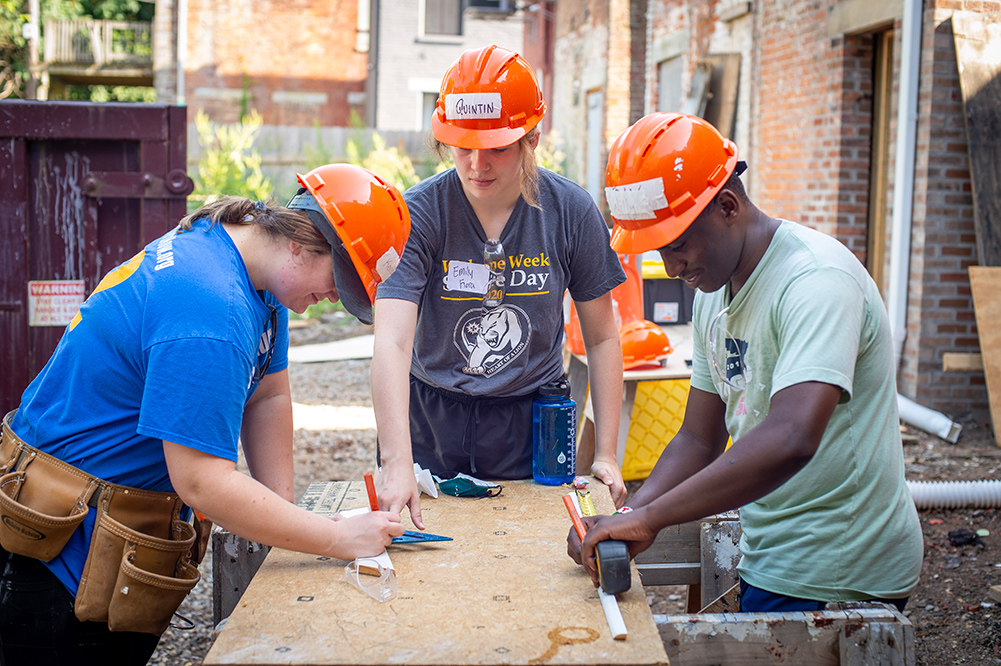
177,356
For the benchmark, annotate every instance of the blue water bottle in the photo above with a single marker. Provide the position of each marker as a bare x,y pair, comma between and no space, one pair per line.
554,434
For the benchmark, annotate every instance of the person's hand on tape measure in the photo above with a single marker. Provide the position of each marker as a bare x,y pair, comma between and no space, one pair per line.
573,539
626,527
607,471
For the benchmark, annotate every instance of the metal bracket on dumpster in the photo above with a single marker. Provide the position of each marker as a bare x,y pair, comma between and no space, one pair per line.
137,185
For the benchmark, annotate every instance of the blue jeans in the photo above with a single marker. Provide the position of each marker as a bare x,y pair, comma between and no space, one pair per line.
755,600
38,627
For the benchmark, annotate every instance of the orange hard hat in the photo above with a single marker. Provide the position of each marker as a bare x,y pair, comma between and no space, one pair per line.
366,222
489,98
662,172
643,343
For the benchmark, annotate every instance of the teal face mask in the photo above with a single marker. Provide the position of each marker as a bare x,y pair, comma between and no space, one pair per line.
463,485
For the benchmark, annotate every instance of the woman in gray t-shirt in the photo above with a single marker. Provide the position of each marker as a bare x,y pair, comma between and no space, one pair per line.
459,353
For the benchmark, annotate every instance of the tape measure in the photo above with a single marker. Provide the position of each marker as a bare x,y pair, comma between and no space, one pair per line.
612,556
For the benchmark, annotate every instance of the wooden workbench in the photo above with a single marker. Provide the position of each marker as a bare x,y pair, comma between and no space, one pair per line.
503,592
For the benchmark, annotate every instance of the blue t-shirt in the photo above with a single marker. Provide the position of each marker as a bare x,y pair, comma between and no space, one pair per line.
168,347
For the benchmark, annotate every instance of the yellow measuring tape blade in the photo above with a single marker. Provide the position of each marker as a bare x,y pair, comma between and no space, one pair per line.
586,504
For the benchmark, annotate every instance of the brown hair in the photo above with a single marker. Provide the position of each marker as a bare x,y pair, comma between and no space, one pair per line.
529,168
277,221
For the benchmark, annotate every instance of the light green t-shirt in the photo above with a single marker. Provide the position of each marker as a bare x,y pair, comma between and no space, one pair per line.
844,527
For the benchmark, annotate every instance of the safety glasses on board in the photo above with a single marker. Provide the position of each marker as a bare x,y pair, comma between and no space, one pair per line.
381,586
726,355
266,348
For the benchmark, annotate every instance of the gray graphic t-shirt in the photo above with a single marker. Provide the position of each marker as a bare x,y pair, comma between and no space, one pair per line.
515,347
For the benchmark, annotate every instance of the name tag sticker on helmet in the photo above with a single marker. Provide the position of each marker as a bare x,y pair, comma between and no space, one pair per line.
387,263
468,106
636,201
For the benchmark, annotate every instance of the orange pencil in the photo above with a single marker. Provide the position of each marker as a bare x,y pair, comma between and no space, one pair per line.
373,500
578,525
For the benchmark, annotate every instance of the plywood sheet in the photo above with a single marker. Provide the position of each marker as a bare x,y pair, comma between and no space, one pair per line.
985,282
978,57
503,592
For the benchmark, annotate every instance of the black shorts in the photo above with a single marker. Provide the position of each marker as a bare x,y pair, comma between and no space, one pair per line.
484,437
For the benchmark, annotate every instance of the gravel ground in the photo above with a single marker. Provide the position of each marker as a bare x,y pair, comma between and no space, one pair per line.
955,620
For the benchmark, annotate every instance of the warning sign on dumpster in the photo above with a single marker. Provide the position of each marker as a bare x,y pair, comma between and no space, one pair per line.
53,302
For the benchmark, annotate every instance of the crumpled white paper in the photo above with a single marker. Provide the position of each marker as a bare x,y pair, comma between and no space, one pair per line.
425,482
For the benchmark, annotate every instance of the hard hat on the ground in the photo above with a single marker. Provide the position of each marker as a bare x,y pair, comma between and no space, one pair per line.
662,172
366,222
489,98
643,343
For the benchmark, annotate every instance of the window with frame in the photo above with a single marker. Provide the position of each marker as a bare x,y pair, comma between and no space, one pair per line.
443,17
428,105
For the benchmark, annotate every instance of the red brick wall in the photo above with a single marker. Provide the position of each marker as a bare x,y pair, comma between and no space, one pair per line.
940,316
853,117
800,142
618,86
637,59
810,152
812,161
240,52
812,129
538,51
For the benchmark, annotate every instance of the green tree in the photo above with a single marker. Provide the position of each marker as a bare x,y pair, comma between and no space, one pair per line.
549,155
14,49
390,163
229,163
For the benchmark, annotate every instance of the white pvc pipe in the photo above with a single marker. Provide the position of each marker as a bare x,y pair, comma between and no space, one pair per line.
182,50
927,419
613,615
955,494
903,208
903,175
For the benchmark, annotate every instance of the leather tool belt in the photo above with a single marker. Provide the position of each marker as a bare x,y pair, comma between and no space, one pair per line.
139,564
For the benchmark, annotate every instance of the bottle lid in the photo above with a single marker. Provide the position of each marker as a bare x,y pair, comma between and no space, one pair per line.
558,388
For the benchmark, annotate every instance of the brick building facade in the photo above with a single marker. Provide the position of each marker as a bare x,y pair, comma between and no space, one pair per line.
296,62
809,89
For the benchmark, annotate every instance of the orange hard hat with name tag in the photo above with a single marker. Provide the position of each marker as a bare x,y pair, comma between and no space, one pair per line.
662,172
489,98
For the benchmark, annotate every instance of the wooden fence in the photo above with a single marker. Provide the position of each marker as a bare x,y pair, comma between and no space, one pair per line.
85,41
285,150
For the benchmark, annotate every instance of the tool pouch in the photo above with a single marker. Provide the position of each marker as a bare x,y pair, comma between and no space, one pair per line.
138,568
144,600
137,571
41,509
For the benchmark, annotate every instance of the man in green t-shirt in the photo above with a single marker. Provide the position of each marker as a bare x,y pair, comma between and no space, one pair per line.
792,359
